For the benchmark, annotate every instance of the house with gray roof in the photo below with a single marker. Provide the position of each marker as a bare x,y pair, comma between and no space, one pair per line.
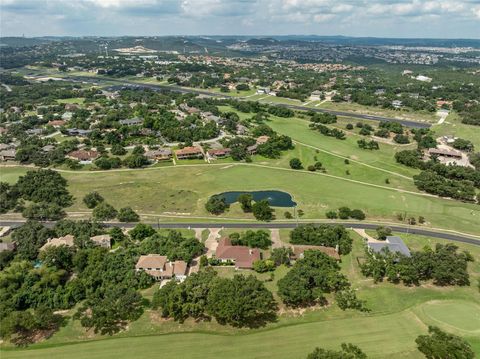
132,121
393,243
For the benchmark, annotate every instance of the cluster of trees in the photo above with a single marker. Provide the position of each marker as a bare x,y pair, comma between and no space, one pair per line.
102,211
368,145
346,213
275,145
327,131
34,283
437,344
434,183
454,181
463,145
45,190
261,210
322,235
172,244
313,276
348,351
253,239
242,301
324,118
217,205
444,265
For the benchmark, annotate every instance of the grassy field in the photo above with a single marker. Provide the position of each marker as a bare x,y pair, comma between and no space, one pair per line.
184,190
421,116
398,315
453,126
76,100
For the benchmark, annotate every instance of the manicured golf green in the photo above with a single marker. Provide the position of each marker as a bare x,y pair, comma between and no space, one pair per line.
464,316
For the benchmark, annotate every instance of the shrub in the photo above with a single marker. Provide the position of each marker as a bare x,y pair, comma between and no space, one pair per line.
127,214
296,164
331,215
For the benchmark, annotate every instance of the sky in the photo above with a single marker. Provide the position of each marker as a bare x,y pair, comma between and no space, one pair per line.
377,18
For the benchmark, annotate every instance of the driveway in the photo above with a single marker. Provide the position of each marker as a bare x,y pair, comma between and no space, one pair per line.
211,243
276,241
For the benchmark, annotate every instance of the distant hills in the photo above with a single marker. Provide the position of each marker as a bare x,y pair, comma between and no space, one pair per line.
219,41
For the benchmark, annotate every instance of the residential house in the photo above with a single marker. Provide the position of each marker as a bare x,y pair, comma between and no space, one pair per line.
242,256
71,107
78,132
161,154
67,116
219,153
7,246
251,150
397,103
83,156
60,241
189,152
102,240
190,110
445,153
48,148
315,95
263,90
262,139
392,243
56,123
136,121
8,155
180,270
160,268
241,129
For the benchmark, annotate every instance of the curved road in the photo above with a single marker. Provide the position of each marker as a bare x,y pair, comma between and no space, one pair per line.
470,239
174,88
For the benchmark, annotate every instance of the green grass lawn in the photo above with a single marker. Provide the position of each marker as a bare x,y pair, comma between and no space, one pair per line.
398,315
454,126
76,100
421,116
185,190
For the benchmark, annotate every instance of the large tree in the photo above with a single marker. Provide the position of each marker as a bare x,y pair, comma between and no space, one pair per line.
441,345
44,186
241,301
29,238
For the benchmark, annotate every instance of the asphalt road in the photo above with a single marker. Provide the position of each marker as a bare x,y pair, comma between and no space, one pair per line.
174,88
282,225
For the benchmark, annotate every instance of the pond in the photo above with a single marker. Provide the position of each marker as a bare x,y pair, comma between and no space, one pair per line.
275,198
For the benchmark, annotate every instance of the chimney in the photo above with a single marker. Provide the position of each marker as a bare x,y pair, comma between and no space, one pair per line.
336,248
250,251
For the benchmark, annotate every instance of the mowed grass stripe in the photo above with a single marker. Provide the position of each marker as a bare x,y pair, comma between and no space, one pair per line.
376,335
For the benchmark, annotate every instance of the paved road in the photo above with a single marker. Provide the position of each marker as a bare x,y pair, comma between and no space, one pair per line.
284,225
174,88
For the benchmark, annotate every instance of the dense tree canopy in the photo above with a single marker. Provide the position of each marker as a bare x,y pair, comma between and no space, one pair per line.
322,235
441,345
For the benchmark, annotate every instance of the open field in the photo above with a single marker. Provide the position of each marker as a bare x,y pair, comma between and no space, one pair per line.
453,126
378,111
76,100
185,190
399,314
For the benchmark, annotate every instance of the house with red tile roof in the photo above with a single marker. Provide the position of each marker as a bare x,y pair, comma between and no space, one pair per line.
242,256
189,152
